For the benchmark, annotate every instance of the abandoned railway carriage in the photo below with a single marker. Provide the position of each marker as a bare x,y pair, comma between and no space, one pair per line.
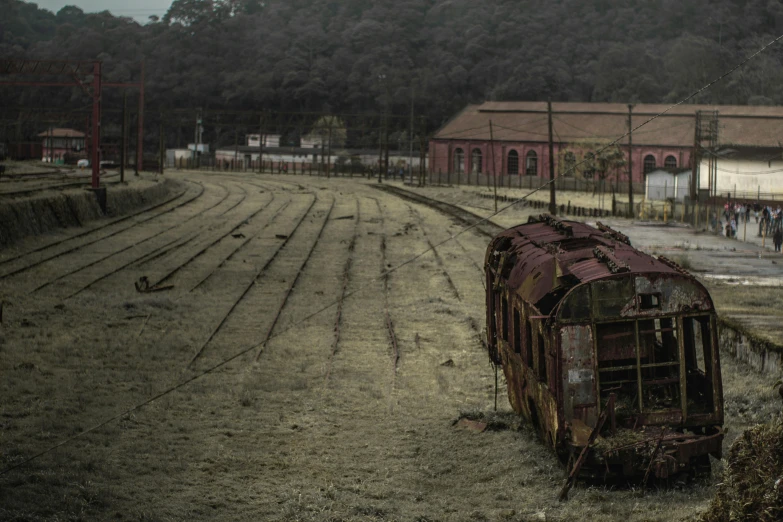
601,343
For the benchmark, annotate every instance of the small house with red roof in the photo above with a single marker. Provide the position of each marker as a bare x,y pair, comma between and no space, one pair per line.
59,143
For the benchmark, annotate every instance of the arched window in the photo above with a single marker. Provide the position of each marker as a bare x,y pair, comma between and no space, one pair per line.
475,161
649,163
513,163
531,163
670,162
459,161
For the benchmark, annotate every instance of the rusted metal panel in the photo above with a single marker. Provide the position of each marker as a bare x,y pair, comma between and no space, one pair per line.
578,372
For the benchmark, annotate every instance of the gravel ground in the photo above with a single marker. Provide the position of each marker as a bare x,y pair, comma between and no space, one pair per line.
309,386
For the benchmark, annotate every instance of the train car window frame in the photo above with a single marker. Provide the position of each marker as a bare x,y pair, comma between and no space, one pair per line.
517,325
699,364
504,317
528,346
541,369
663,353
650,301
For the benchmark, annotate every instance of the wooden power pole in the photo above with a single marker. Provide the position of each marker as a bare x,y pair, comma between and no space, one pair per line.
494,171
630,162
552,202
124,145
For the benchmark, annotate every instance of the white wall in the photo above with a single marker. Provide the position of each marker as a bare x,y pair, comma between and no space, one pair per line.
745,176
270,140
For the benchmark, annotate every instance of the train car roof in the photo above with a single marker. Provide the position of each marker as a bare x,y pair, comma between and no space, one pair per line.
543,260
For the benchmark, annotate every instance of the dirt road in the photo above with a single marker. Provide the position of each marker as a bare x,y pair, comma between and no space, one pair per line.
331,389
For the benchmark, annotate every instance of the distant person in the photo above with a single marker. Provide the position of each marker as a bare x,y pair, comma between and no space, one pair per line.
777,238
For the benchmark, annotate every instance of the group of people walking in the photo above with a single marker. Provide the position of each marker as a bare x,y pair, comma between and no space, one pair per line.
769,220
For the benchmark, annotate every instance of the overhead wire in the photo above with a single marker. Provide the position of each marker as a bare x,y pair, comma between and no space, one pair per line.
383,274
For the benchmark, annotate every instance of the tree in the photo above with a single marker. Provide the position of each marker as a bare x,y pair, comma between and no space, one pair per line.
329,131
592,160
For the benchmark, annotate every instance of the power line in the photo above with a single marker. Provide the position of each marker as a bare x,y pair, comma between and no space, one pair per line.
361,288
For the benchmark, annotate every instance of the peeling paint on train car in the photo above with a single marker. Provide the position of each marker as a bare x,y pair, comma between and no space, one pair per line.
604,330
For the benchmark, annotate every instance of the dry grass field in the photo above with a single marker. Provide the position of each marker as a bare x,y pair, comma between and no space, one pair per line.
310,386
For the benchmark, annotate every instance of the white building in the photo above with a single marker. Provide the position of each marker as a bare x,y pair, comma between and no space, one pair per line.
745,172
270,140
667,184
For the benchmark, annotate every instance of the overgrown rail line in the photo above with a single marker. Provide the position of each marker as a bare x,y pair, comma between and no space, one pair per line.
126,248
480,225
344,289
389,324
199,352
191,258
291,287
438,258
53,186
98,229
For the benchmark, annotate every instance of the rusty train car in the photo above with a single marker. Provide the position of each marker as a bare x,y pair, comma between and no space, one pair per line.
605,347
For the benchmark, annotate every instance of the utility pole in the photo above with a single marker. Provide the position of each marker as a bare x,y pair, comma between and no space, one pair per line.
630,162
329,152
162,152
494,172
422,146
695,161
124,135
260,144
140,130
236,147
197,137
552,202
381,130
410,138
380,150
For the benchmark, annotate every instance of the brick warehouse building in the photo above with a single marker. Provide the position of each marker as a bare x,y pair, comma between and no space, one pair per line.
520,132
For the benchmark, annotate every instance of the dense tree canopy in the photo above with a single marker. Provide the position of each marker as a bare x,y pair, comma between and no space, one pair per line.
357,56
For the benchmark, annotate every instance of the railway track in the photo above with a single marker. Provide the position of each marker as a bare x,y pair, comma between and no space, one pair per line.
343,291
181,264
261,271
53,186
181,241
389,324
124,249
438,258
477,223
35,176
99,228
292,286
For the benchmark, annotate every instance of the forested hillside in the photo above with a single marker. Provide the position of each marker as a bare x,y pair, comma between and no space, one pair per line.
325,55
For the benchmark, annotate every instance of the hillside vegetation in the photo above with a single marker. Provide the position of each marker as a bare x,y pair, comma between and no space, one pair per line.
326,55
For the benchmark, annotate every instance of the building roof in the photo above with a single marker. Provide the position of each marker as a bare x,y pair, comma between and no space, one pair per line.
545,259
527,122
738,152
247,149
61,133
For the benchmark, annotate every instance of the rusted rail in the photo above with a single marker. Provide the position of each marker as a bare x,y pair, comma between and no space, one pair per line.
160,282
132,245
292,286
438,259
343,291
240,246
479,224
258,274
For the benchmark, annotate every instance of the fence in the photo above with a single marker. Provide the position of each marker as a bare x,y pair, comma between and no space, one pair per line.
270,166
527,182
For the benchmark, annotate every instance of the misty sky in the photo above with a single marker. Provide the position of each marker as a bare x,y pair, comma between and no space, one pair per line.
138,9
